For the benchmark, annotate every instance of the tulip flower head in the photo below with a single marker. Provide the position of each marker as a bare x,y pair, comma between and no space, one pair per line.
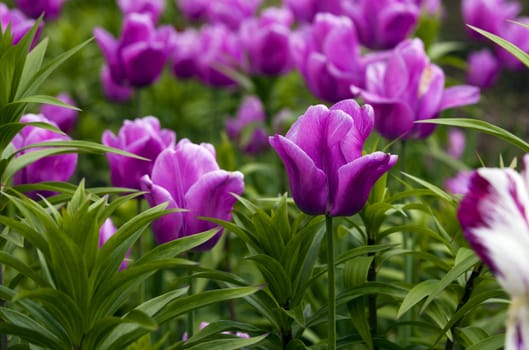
322,154
405,87
305,10
184,52
112,90
250,116
188,177
137,58
64,117
19,23
489,15
517,35
494,217
152,8
34,8
231,13
106,231
459,183
483,69
53,168
142,137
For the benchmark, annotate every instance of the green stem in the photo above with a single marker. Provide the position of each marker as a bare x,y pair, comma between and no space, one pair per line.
450,345
372,299
331,287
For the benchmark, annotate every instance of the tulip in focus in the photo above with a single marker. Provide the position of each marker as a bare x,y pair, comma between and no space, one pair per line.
105,232
249,120
382,24
483,69
322,154
494,217
152,8
406,87
328,56
266,41
34,8
64,117
142,137
188,177
53,168
19,23
137,58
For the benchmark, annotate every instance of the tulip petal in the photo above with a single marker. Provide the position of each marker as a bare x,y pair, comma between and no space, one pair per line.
457,96
169,226
143,62
517,333
308,184
493,215
211,196
356,179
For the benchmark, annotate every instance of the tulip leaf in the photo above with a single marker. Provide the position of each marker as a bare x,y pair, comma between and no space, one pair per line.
494,342
228,344
275,276
415,295
213,330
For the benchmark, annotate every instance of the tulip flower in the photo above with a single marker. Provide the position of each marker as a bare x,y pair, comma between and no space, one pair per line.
328,56
518,35
184,53
188,177
137,58
489,15
250,116
494,218
193,10
219,51
142,137
34,8
105,232
152,8
64,117
112,90
459,183
406,87
456,143
231,13
266,41
19,23
322,153
305,10
53,168
483,69
382,24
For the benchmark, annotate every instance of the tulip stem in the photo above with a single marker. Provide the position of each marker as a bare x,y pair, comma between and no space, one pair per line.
331,285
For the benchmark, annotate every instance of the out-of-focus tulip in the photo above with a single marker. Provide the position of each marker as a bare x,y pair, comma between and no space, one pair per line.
53,168
405,88
184,53
34,8
328,56
137,58
459,183
188,177
105,232
483,69
456,143
382,24
305,10
322,154
489,15
112,90
152,8
231,13
142,137
64,117
249,121
266,41
517,35
220,50
19,23
494,217
193,10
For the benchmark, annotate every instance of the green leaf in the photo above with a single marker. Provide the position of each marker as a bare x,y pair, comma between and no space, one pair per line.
491,343
23,268
415,295
228,344
275,277
436,190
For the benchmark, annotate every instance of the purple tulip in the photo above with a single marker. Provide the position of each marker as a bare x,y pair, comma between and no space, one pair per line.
152,8
64,117
184,53
305,10
138,57
142,137
188,177
459,183
489,15
518,36
328,56
322,154
406,87
231,13
431,7
494,218
193,10
19,23
382,24
34,8
105,232
250,117
456,143
220,52
266,41
483,69
53,168
112,90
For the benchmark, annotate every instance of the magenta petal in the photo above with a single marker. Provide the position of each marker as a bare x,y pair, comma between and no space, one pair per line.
143,63
363,119
457,96
356,179
168,227
211,196
392,118
308,184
